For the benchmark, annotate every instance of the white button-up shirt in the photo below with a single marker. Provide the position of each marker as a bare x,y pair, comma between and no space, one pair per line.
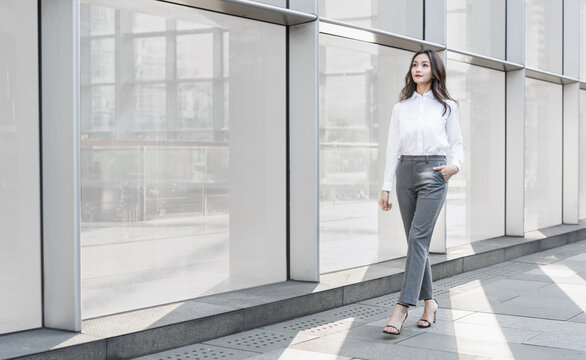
418,127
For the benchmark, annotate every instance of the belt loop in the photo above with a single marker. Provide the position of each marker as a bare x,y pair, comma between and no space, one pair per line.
401,159
427,158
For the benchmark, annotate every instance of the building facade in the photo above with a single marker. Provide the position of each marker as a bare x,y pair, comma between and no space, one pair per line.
157,151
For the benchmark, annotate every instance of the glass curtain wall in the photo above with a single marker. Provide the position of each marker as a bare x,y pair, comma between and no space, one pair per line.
477,26
359,84
543,35
476,196
543,154
20,197
183,141
397,16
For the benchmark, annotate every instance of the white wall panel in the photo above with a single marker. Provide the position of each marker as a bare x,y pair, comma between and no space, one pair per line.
543,154
20,258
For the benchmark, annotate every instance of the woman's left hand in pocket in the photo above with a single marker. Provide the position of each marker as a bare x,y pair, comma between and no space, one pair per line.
447,171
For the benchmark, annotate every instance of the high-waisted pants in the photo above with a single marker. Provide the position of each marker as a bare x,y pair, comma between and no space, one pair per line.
421,192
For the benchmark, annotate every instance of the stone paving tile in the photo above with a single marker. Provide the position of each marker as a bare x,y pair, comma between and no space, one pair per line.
447,315
373,334
580,318
340,345
467,330
562,338
558,273
549,302
527,323
500,290
554,255
501,350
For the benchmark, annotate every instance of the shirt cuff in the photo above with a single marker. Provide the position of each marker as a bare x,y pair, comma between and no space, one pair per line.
387,187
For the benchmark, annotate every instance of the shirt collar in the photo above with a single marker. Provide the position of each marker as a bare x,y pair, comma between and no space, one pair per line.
428,94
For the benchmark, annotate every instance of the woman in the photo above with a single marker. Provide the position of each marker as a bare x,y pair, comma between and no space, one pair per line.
423,132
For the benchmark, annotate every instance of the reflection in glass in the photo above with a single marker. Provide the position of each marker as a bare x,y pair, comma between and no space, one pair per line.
359,84
174,192
102,58
396,16
149,58
543,35
189,63
476,196
543,154
477,26
582,154
102,20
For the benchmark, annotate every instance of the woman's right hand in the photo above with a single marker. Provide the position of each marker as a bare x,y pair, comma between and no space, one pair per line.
384,202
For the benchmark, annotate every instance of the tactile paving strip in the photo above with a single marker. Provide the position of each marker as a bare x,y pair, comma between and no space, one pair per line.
260,340
358,312
200,352
316,326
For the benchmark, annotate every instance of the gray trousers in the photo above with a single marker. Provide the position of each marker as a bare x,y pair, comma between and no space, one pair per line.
421,192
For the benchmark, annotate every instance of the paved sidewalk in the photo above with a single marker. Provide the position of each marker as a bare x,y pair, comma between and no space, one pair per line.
531,307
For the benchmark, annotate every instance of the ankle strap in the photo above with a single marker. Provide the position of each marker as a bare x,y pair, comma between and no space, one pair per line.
405,305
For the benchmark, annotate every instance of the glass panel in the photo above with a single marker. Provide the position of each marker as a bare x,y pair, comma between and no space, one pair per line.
20,198
102,21
149,58
195,56
179,200
476,195
543,35
147,23
103,108
582,154
477,26
396,16
102,58
359,84
543,154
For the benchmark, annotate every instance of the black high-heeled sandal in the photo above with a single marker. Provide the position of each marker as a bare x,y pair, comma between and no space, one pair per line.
394,327
428,323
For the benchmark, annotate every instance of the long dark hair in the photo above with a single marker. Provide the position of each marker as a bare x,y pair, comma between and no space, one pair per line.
438,82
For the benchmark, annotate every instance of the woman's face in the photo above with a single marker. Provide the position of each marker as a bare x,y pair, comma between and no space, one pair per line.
421,69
